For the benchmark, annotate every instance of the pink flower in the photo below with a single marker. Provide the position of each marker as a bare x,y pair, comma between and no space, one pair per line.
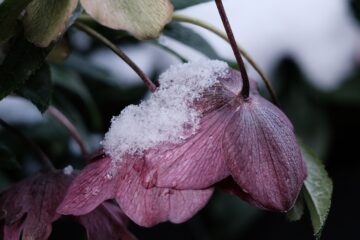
251,140
144,206
29,209
165,176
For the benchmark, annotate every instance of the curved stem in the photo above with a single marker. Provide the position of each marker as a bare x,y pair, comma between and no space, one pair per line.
245,91
221,34
63,120
96,35
37,150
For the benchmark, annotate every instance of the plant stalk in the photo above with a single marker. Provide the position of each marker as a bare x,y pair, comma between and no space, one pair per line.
245,91
221,34
65,122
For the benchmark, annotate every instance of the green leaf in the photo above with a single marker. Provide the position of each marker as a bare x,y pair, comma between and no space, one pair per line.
190,38
21,61
317,191
143,19
297,211
38,89
7,159
82,65
46,21
72,82
9,12
180,4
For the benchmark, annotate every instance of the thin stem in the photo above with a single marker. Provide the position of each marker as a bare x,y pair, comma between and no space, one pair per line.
245,91
96,35
221,34
37,150
64,121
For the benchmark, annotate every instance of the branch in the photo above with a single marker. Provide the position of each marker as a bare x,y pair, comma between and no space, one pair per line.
245,91
64,121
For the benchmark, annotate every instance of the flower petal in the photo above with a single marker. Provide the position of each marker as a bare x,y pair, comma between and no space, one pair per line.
13,231
263,155
196,163
148,207
89,189
105,222
30,205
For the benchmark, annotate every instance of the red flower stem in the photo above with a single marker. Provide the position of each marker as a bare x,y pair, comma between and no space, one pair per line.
96,35
64,121
37,150
246,85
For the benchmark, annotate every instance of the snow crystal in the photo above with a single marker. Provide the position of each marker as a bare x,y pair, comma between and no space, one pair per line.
68,170
164,116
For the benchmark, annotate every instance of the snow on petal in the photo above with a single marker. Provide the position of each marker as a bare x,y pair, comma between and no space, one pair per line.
168,115
263,155
197,162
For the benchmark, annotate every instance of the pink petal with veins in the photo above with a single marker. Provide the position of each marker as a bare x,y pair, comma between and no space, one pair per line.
148,207
89,189
263,155
107,221
196,163
30,206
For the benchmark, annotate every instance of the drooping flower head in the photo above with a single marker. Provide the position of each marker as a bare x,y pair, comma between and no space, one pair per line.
28,209
164,155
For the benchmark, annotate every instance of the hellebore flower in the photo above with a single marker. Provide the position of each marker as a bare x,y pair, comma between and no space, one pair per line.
29,209
146,207
163,156
251,140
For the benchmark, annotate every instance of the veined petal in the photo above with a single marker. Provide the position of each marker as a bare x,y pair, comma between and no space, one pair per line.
107,221
263,155
30,206
148,207
196,163
89,189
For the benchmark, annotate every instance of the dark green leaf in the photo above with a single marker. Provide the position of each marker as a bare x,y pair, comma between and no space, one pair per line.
72,82
190,38
22,60
82,65
317,191
38,89
9,12
180,4
297,211
7,159
46,21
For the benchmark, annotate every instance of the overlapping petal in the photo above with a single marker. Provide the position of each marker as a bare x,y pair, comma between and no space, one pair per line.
29,207
263,155
145,206
107,221
196,163
252,140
